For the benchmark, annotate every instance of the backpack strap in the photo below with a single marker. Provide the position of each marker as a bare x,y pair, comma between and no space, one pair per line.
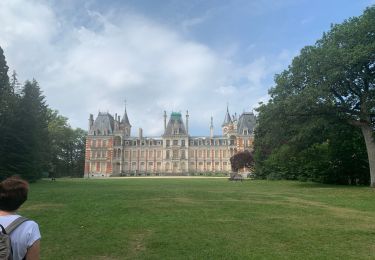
12,226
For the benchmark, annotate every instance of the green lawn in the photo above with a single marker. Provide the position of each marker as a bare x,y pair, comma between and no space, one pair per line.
202,219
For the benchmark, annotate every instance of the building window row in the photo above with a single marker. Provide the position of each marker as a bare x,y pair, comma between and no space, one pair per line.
98,154
98,143
208,142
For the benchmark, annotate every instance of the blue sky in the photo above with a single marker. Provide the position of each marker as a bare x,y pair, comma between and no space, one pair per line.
173,55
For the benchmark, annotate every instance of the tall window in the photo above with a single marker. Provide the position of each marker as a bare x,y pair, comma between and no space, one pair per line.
167,154
175,154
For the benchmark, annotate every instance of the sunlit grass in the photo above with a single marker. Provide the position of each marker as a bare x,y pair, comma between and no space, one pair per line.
202,219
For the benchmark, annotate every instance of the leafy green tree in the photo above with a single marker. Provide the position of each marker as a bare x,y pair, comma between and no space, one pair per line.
341,66
78,152
57,127
311,148
67,147
241,160
33,138
329,84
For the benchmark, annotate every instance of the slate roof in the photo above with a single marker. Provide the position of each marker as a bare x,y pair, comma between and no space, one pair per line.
227,119
103,124
125,119
247,122
175,125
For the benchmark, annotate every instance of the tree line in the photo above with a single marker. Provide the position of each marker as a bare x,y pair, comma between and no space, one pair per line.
319,122
35,140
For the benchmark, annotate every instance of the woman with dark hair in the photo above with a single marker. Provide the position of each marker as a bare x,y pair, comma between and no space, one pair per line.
25,239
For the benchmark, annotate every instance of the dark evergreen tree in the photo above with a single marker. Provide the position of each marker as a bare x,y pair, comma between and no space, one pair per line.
7,104
15,84
30,152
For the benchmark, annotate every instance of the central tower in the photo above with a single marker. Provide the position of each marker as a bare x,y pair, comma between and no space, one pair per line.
175,144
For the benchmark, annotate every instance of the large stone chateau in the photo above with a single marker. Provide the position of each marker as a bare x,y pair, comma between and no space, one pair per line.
111,150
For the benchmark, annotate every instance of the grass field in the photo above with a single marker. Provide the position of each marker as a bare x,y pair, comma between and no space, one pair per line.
202,219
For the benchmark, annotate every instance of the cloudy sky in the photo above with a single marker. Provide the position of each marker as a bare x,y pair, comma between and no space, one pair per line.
173,55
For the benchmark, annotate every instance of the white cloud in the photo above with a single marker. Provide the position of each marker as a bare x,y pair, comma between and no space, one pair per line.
26,20
83,70
226,90
186,24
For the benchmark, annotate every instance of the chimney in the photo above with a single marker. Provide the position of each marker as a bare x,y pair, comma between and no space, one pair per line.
140,133
165,120
212,128
91,121
115,116
187,122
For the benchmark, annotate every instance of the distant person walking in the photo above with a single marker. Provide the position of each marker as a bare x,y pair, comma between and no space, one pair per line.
25,239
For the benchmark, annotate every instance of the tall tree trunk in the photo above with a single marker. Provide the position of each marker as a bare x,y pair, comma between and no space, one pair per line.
370,146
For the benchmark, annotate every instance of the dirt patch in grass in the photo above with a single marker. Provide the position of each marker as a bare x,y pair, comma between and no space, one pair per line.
187,200
334,209
337,211
105,258
43,206
138,243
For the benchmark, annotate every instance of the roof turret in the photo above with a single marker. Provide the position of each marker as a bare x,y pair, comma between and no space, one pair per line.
227,119
125,119
103,125
246,123
175,125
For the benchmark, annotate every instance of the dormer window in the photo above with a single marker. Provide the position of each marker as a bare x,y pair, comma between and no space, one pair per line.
245,132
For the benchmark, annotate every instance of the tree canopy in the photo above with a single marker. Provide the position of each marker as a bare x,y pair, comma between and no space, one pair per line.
241,160
35,140
67,147
327,91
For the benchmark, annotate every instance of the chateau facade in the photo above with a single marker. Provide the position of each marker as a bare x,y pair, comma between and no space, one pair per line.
112,151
